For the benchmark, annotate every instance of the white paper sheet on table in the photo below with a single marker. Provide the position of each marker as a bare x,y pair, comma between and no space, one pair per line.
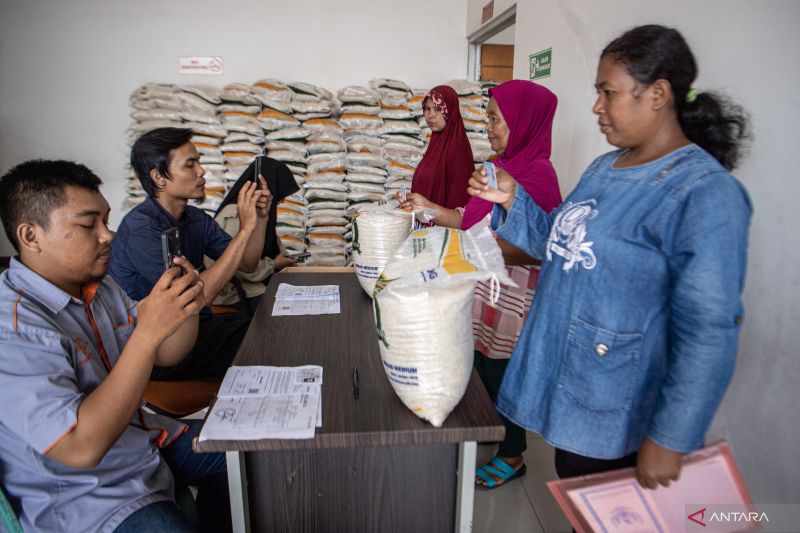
264,402
293,300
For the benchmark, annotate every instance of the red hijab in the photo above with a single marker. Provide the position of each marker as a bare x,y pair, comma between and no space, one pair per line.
528,109
443,174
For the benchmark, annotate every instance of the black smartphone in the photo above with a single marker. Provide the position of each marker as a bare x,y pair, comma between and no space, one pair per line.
170,246
299,257
257,171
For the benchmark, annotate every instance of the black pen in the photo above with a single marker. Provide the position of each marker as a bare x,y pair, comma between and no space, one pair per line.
355,382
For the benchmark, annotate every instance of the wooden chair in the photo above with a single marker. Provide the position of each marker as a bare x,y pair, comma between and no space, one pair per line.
181,398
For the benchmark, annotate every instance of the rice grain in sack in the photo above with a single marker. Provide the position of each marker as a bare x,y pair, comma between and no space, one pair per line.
423,313
378,231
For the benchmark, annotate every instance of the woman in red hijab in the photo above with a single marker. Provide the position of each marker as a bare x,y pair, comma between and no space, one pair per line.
447,165
520,126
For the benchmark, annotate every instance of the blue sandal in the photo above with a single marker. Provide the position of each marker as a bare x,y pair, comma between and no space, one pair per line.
500,470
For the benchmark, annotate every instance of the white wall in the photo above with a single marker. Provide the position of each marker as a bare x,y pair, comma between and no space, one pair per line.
749,50
68,68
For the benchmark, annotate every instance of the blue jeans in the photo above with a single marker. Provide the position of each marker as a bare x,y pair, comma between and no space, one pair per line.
207,472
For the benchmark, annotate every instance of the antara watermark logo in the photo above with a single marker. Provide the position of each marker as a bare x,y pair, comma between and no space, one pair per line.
726,518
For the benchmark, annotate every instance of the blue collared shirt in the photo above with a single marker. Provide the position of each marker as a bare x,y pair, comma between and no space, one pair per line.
49,361
136,259
634,328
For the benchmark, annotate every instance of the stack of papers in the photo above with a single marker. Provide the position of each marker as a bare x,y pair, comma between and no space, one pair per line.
266,402
306,300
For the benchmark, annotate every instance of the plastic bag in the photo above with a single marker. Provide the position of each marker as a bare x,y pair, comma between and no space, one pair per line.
423,313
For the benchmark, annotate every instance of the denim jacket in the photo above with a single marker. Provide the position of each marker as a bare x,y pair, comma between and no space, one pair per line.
634,328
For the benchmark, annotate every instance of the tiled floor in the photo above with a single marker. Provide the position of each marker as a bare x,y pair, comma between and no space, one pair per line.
523,505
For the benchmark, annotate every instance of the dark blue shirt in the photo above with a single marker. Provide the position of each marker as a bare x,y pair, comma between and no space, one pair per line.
136,260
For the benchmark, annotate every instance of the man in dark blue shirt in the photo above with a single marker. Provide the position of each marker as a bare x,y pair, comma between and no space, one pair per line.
168,167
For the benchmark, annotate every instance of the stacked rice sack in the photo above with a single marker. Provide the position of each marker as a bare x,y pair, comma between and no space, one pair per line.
284,140
153,106
324,191
473,100
403,142
190,106
361,123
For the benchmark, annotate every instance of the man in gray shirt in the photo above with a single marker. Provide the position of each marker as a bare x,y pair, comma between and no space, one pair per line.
77,452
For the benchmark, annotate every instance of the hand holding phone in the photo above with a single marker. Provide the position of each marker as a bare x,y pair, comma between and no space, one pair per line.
299,257
257,172
170,247
490,174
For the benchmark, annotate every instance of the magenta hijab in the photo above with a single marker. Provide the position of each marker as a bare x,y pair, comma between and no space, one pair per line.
528,109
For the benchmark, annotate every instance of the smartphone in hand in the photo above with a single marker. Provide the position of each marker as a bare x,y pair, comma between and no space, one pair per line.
490,173
299,257
257,171
170,247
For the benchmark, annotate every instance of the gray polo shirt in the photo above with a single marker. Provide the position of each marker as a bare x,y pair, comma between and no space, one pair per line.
50,359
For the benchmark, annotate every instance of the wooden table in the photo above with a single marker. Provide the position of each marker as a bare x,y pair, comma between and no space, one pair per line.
373,465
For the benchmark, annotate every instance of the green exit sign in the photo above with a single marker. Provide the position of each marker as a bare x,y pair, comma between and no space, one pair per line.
541,62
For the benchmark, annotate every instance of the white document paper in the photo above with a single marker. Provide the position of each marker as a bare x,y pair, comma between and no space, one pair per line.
294,300
264,402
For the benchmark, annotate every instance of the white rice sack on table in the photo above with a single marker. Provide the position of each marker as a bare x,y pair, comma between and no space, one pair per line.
359,121
378,230
423,314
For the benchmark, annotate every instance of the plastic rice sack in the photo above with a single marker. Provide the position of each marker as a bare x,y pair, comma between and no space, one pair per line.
378,230
423,314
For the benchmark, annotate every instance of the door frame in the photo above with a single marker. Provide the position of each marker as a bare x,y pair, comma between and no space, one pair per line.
484,33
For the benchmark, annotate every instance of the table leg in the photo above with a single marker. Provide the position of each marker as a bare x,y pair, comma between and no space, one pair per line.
237,486
465,494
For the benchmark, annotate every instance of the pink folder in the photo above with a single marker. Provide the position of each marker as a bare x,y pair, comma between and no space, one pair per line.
615,502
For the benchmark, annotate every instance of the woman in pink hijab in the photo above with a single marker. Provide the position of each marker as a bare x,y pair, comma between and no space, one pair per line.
520,126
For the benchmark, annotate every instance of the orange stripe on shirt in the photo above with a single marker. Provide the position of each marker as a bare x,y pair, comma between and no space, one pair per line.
59,439
19,297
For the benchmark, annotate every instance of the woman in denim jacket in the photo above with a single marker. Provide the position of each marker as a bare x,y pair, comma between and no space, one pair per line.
632,338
